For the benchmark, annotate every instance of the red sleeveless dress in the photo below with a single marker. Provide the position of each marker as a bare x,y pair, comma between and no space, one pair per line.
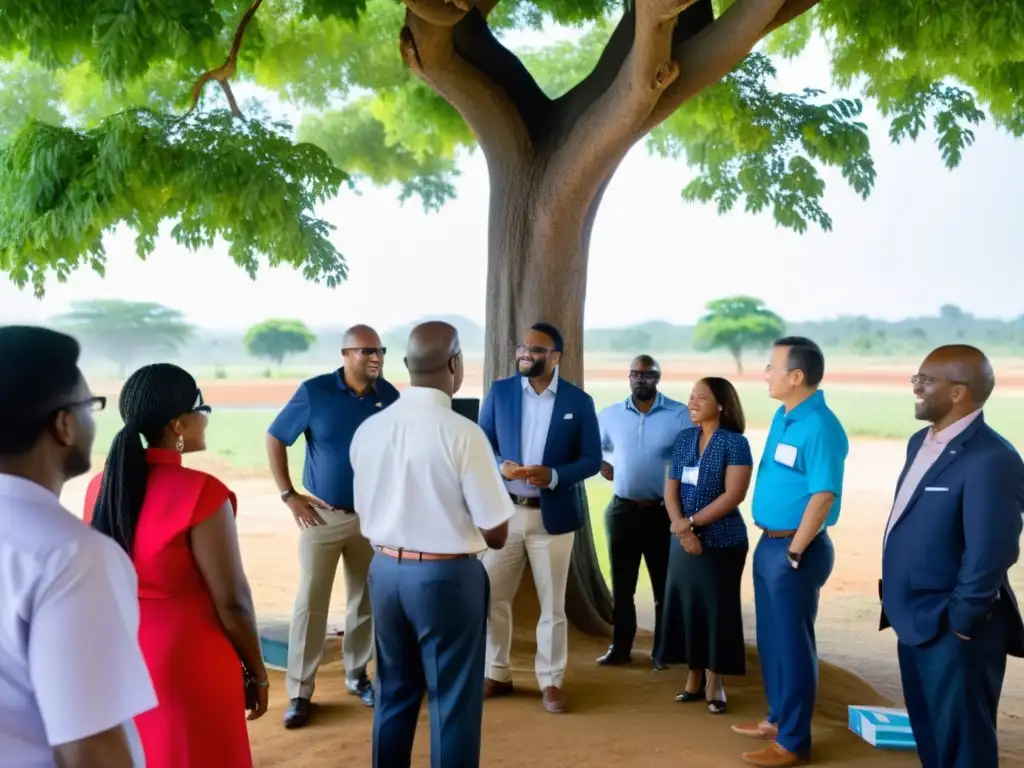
199,721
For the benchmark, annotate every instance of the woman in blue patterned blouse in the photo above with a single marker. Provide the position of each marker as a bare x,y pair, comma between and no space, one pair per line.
710,473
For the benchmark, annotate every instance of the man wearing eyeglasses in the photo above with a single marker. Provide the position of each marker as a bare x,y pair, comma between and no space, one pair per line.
637,436
953,535
74,678
545,435
327,410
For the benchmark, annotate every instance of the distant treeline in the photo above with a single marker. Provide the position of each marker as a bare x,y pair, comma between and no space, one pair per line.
848,336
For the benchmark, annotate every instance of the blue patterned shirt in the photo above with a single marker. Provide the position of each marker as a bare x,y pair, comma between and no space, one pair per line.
724,449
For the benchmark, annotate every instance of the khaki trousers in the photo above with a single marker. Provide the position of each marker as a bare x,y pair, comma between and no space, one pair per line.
549,561
320,549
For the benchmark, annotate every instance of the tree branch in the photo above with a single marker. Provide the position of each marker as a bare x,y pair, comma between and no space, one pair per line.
604,130
714,52
226,70
427,44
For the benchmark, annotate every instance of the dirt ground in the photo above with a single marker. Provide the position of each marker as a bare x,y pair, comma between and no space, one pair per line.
621,716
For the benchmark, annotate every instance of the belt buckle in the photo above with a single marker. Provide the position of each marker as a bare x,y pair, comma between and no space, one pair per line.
524,501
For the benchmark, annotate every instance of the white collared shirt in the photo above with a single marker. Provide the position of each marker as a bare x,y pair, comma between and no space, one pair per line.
533,436
70,663
425,478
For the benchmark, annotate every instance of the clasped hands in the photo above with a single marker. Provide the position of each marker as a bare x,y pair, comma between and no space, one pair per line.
536,475
683,531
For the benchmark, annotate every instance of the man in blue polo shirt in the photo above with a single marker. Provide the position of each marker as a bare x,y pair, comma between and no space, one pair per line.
327,410
797,497
637,436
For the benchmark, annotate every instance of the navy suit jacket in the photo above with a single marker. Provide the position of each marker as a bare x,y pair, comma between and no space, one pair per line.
573,447
945,563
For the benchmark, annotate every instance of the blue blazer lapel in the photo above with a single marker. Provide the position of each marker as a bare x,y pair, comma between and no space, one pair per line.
515,426
952,452
562,406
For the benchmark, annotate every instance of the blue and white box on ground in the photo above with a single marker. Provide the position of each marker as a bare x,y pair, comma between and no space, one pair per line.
882,727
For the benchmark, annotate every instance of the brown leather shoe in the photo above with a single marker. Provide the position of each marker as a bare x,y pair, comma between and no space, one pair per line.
554,700
493,688
760,730
772,756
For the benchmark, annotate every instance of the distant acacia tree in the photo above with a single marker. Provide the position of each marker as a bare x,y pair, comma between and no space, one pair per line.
277,339
122,331
737,323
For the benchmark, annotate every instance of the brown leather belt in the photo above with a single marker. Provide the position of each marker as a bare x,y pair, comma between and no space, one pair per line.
408,554
779,534
525,501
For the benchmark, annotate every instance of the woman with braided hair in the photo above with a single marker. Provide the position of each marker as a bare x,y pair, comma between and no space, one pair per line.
197,616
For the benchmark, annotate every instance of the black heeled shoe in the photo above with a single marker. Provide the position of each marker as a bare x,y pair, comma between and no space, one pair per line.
685,697
717,706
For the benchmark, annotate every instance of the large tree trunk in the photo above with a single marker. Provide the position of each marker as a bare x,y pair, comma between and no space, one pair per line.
537,265
550,161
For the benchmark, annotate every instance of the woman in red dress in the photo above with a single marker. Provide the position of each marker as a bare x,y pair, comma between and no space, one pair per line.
198,625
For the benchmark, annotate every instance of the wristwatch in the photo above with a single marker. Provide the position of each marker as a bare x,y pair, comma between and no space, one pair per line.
794,559
689,519
285,495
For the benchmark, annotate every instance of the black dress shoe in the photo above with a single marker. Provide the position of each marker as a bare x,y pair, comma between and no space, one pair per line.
297,714
613,657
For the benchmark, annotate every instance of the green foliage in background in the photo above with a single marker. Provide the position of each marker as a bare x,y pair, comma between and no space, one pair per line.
277,339
736,323
91,135
125,331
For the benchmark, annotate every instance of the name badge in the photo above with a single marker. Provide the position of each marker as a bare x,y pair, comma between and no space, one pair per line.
690,475
785,454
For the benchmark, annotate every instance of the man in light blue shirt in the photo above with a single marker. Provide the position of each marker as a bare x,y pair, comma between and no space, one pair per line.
637,436
797,497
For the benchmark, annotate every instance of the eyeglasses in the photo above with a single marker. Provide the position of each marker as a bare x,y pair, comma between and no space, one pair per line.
367,351
927,381
644,375
200,406
522,349
94,404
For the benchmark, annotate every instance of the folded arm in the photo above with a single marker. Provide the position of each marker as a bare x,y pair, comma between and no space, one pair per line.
993,504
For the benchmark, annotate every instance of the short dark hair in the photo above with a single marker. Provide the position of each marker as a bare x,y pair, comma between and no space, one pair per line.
725,395
549,330
804,356
646,360
38,375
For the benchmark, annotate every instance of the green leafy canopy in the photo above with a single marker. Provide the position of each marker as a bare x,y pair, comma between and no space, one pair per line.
275,339
90,137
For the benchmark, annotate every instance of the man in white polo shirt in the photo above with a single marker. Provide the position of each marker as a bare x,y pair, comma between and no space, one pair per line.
430,499
72,676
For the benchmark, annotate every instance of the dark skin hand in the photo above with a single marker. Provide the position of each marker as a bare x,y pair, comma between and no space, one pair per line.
607,471
538,476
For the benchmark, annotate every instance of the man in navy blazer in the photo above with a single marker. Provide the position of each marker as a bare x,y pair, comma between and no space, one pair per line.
547,441
952,536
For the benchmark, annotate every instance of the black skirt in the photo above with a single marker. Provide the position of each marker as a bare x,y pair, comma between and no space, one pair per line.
702,619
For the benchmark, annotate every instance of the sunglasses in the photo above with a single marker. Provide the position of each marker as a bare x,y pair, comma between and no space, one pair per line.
367,351
94,404
200,406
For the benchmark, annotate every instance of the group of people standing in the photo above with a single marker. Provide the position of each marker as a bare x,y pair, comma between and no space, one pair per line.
434,518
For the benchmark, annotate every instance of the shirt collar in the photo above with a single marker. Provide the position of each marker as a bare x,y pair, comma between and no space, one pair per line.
339,376
20,489
659,401
426,395
552,387
953,431
807,407
163,456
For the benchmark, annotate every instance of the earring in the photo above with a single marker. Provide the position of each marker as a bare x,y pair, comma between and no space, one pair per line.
179,444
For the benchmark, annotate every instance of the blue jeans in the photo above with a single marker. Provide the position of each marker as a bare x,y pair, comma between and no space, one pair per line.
430,619
786,606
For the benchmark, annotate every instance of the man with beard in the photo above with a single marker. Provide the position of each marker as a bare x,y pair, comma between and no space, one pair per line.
545,435
73,675
952,536
327,410
637,436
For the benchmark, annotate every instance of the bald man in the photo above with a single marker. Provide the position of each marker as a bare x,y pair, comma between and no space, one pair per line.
327,410
952,536
430,500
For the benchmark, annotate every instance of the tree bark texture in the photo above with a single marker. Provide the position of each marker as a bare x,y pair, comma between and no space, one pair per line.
550,161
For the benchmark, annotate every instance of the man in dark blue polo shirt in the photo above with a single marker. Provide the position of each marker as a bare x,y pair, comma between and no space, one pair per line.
327,410
797,497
